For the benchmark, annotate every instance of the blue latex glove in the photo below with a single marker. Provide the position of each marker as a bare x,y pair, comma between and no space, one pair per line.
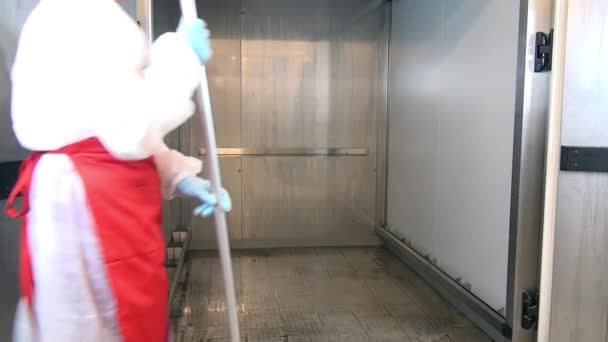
200,189
197,35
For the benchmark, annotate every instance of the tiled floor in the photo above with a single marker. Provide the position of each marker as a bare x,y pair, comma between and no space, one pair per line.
317,294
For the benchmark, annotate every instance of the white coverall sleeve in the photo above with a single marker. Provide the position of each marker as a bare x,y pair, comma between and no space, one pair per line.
83,69
151,104
173,167
162,101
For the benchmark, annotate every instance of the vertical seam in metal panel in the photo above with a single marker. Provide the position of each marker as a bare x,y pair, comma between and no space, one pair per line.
552,168
389,15
378,93
516,162
242,158
179,148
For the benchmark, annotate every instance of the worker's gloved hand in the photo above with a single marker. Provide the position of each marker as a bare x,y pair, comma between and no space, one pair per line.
200,189
197,35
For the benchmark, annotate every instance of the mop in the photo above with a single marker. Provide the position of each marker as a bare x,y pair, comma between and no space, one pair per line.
203,100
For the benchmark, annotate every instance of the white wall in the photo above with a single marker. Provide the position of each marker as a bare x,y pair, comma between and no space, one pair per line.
451,117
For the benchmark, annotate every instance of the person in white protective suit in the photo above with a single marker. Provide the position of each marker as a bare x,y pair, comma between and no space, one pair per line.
93,102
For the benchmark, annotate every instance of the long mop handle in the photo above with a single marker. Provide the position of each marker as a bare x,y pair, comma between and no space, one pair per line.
203,99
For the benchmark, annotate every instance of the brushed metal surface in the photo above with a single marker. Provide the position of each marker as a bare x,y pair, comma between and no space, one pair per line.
451,112
383,122
528,165
579,303
308,198
12,16
290,76
309,83
277,151
223,72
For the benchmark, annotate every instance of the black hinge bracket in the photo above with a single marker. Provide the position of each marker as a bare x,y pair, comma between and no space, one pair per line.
584,159
529,310
506,331
543,51
9,171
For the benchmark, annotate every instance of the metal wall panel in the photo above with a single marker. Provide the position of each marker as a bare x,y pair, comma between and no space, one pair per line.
223,72
308,199
452,95
579,304
382,133
12,16
293,74
308,84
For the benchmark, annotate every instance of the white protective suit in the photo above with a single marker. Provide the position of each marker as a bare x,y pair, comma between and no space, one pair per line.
83,70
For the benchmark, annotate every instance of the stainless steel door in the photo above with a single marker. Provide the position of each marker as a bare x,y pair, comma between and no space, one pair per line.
297,82
575,273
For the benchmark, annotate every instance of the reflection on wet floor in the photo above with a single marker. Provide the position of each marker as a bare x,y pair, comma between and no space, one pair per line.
316,294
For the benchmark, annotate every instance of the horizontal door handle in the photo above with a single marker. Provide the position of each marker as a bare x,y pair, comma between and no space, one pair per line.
279,151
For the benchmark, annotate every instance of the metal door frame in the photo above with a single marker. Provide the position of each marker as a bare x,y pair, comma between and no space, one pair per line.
529,154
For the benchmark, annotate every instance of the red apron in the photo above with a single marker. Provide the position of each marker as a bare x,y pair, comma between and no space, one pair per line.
124,198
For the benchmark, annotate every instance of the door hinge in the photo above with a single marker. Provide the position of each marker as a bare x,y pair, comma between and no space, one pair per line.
529,310
9,172
543,51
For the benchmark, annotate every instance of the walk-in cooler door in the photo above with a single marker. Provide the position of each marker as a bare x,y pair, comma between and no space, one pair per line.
466,148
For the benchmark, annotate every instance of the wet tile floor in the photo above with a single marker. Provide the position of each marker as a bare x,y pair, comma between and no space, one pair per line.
316,294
